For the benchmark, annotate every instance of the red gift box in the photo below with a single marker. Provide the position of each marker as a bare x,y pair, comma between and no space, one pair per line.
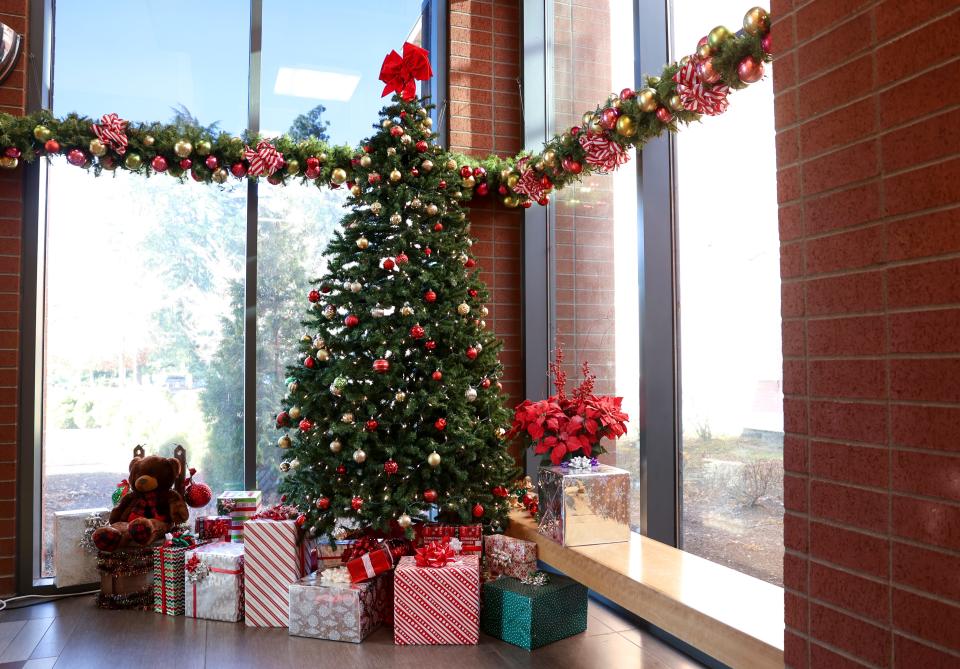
471,538
370,564
434,532
212,528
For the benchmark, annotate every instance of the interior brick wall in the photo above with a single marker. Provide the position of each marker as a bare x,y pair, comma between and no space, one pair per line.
868,152
12,101
485,117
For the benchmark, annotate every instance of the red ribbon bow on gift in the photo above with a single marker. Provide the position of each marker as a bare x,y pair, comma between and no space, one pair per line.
400,73
435,554
264,160
192,564
112,132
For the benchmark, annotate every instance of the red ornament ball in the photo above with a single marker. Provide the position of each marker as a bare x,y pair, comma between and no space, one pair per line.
608,118
478,510
427,251
767,43
526,204
372,425
575,130
198,178
323,503
314,296
417,331
283,419
422,146
388,264
544,201
159,164
466,171
396,131
440,424
381,365
76,157
368,148
309,362
750,70
437,375
442,184
469,263
572,166
483,189
186,164
373,178
211,162
312,161
472,292
485,383
325,289
430,296
11,152
527,499
390,467
503,190
627,94
351,321
499,491
472,353
545,181
430,345
479,172
313,172
305,425
438,227
402,258
198,495
238,170
414,172
51,146
356,503
301,520
664,115
341,470
430,495
534,509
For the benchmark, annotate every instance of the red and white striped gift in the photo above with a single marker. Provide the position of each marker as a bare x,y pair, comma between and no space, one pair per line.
437,605
274,559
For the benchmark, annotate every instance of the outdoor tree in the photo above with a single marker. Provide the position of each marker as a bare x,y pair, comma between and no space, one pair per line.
394,407
310,124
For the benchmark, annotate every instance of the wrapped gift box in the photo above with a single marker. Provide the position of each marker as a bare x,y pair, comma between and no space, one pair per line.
240,505
531,616
471,538
126,578
506,556
437,605
212,528
274,558
370,564
213,581
339,611
74,562
168,568
580,507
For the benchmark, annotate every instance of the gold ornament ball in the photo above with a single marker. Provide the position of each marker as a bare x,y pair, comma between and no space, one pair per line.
647,99
756,21
432,209
386,123
204,148
587,119
391,151
513,180
404,521
149,140
322,157
338,175
422,111
305,338
676,104
323,355
97,147
415,203
183,148
426,165
406,139
626,126
294,413
347,418
511,202
550,157
133,161
366,161
400,396
406,310
718,36
683,62
292,387
396,219
355,190
329,311
363,243
293,166
220,175
469,182
451,164
482,324
359,456
284,442
704,50
395,175
428,122
433,459
8,163
463,308
376,208
42,133
284,467
335,446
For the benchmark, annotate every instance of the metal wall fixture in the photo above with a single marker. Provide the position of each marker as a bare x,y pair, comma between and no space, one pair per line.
11,42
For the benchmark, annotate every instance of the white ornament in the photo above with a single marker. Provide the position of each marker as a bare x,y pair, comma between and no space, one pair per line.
356,287
471,394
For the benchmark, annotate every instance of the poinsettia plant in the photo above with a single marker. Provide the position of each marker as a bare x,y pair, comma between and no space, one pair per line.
562,427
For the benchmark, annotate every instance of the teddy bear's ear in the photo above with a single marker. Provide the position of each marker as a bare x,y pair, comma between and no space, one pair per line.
175,465
134,463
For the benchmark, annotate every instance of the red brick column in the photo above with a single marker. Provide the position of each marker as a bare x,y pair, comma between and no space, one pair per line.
12,101
868,152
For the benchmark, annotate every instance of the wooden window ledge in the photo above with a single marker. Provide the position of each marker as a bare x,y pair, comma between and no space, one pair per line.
732,617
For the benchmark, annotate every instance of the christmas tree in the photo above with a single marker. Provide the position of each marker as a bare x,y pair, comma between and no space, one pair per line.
394,409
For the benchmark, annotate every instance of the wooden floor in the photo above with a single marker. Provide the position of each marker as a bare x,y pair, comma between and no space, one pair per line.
74,634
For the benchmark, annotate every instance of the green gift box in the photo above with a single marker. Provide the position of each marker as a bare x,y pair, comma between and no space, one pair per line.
531,616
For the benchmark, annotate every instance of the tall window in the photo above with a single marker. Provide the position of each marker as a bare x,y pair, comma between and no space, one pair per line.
144,279
728,266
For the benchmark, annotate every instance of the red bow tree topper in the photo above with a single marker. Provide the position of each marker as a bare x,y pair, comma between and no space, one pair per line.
400,73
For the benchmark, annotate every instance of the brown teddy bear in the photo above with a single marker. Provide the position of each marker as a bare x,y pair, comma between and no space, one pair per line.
149,509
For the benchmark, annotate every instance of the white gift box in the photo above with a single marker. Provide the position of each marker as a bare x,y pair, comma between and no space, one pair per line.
71,563
213,584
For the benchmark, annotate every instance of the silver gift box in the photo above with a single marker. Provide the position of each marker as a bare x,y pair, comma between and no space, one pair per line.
72,564
580,507
339,611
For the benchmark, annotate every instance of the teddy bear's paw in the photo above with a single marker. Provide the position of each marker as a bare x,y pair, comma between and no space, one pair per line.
141,531
106,538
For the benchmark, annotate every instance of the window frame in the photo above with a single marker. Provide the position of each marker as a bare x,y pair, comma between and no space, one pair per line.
659,384
31,361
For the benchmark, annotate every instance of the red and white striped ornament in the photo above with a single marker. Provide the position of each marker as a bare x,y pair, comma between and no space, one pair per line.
112,131
529,183
264,160
602,152
696,96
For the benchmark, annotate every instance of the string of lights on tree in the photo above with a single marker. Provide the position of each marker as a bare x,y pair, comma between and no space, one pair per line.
697,85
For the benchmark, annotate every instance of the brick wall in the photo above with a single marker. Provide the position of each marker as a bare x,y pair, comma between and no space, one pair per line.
868,144
485,117
12,101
